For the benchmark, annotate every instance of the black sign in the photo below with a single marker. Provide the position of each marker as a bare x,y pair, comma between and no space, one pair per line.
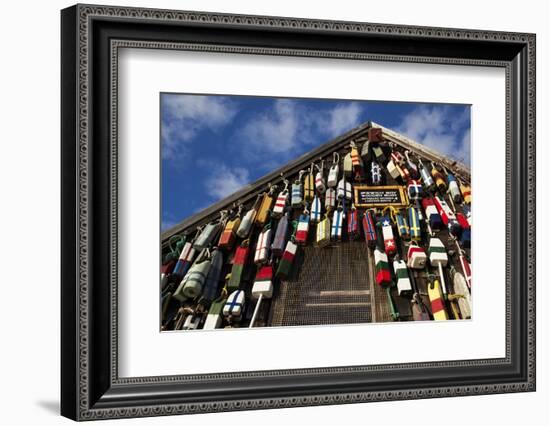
379,196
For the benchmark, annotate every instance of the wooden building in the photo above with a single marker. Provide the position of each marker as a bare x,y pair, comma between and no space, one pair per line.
336,281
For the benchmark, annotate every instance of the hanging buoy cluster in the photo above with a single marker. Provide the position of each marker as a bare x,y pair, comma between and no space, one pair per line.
412,212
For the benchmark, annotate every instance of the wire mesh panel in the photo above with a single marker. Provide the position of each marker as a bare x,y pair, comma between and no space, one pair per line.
331,285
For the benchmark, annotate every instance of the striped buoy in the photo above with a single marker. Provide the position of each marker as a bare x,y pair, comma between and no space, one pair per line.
404,286
436,301
279,240
261,254
240,259
387,233
414,189
447,215
344,190
466,192
397,157
427,180
416,257
330,199
165,271
280,202
438,257
285,264
229,234
337,224
184,261
261,289
438,179
432,215
369,230
333,172
414,224
303,229
309,186
214,319
315,215
296,192
402,226
234,305
382,268
323,232
376,173
353,223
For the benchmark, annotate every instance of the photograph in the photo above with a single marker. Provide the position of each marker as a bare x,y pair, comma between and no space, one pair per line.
280,212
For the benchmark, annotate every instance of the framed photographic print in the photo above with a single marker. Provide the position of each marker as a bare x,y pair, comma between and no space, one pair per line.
263,212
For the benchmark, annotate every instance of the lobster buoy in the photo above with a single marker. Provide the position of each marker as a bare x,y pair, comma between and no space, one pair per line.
323,232
416,257
280,203
414,224
207,235
432,216
337,223
309,186
302,230
212,282
466,192
427,180
436,301
191,285
414,189
404,286
376,174
454,191
447,216
369,230
333,172
279,240
315,215
261,254
353,223
285,264
387,233
234,306
239,261
382,268
184,262
330,199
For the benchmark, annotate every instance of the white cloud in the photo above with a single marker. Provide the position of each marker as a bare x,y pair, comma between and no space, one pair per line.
225,181
439,129
184,116
276,130
288,125
342,118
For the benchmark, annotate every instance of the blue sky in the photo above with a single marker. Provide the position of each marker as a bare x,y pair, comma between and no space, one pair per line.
213,145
